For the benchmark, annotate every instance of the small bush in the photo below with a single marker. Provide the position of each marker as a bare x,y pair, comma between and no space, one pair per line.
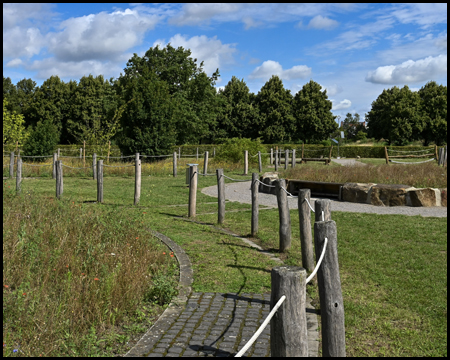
42,140
233,150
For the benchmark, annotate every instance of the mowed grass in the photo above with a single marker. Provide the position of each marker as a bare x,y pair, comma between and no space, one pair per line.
393,268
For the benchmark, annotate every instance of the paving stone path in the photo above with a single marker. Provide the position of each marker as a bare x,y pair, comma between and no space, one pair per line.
213,324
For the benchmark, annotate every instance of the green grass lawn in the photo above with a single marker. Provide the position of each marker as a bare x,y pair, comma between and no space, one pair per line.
393,268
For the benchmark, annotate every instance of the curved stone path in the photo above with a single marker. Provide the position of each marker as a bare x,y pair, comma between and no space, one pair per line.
213,324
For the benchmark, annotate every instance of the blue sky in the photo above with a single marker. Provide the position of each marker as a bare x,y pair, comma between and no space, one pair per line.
352,50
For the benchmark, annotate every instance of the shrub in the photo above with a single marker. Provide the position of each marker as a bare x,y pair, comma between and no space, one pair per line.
233,150
42,140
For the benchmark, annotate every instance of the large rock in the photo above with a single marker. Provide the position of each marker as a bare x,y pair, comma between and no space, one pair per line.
423,197
268,178
388,194
356,192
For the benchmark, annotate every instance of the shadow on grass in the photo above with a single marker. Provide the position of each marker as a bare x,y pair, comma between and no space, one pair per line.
248,267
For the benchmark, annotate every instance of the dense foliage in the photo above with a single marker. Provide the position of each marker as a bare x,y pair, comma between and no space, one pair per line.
165,98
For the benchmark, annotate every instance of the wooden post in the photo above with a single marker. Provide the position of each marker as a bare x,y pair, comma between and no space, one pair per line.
284,215
84,153
288,328
100,181
192,190
11,165
271,156
255,209
55,158
179,152
304,215
81,154
322,205
440,157
386,155
286,159
245,162
205,163
58,153
303,151
214,152
18,175
445,156
329,155
196,156
293,158
109,148
330,292
137,186
259,161
59,179
276,159
220,196
174,164
94,166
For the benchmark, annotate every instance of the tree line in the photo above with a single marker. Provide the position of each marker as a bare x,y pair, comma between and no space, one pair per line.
165,98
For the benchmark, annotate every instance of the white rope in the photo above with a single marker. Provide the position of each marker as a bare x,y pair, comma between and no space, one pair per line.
408,151
264,183
36,156
261,328
323,216
309,204
289,194
319,262
208,174
75,167
155,155
416,162
118,165
234,179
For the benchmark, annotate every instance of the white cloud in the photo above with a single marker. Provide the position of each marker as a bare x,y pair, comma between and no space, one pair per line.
424,14
270,67
14,63
211,51
320,22
344,104
22,42
333,89
193,14
100,37
249,22
410,71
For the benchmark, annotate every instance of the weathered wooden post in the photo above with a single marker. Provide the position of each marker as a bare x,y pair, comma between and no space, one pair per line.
276,159
205,163
304,215
59,153
18,175
329,155
322,206
100,181
293,158
255,209
271,156
286,159
330,292
245,162
386,155
109,149
11,165
441,157
220,196
214,152
174,164
59,179
259,161
192,190
283,212
94,166
81,154
84,153
288,328
196,156
55,158
179,152
303,151
137,186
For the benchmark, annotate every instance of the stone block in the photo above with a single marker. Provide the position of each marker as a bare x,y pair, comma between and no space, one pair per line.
444,197
356,192
388,194
269,179
423,197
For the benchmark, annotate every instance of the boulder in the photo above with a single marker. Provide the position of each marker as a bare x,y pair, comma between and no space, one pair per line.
356,192
269,179
388,194
423,197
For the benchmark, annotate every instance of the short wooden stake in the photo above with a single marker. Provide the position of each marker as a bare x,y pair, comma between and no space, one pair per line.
271,156
245,162
286,159
276,159
220,196
11,165
55,158
255,209
330,292
386,155
94,166
293,158
284,215
137,186
58,153
174,164
322,206
304,215
179,152
100,181
81,154
109,149
59,179
19,175
192,190
205,163
259,161
288,327
303,151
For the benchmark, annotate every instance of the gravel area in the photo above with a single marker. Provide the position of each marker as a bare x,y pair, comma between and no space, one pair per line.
240,192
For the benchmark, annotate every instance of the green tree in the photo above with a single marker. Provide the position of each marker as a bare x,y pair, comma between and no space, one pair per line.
312,112
434,105
275,108
13,126
396,116
43,139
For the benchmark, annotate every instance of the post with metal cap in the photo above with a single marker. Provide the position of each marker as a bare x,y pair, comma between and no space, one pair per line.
137,186
94,166
174,164
255,210
288,328
11,165
220,196
245,162
284,215
55,158
322,206
59,179
192,190
330,292
304,215
205,163
19,175
100,181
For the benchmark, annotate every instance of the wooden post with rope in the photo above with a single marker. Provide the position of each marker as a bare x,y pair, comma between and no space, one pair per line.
306,241
284,215
255,209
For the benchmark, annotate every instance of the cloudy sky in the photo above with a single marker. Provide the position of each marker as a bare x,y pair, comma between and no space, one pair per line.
352,50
